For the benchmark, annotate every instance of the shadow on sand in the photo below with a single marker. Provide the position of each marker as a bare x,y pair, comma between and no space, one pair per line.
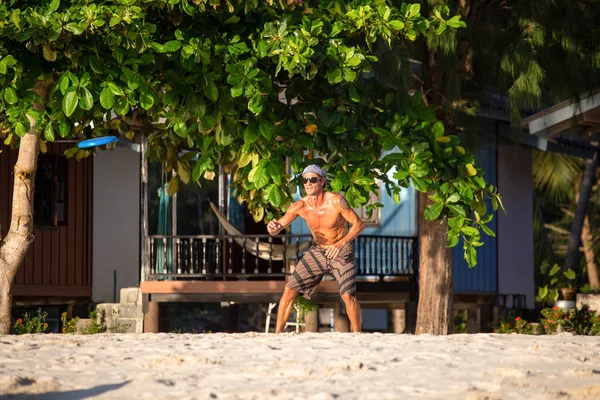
70,395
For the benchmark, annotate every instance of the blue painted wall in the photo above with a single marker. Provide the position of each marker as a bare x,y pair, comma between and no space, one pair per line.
483,278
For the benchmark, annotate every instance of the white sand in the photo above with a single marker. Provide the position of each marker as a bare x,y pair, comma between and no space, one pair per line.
306,366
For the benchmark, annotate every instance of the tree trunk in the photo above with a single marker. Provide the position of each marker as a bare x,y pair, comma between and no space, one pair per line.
587,240
434,314
20,235
589,175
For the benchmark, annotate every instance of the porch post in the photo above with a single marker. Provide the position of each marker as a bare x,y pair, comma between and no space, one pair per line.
145,249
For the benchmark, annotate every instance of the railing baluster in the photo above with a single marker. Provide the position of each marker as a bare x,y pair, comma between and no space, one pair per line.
191,247
230,247
285,258
269,270
204,255
218,252
256,258
164,269
152,263
178,255
244,255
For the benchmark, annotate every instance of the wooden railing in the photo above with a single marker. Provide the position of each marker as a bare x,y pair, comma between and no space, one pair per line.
223,257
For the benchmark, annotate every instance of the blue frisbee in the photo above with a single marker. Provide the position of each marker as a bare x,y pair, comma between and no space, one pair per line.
84,144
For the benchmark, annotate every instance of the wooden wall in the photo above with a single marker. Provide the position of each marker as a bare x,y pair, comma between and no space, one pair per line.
59,262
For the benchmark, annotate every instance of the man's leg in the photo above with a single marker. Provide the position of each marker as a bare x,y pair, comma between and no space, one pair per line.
353,310
285,308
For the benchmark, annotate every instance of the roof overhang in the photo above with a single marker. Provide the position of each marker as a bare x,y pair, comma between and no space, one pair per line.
572,123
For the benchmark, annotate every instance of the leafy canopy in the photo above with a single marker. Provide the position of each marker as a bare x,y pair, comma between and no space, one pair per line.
245,85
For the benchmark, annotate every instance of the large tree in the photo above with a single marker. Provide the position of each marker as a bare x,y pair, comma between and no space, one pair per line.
516,55
209,77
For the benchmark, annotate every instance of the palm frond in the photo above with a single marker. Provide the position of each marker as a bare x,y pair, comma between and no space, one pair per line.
555,174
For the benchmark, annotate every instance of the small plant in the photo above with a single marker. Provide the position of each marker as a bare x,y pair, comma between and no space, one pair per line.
587,289
29,324
552,319
460,322
556,279
68,325
94,327
580,321
304,306
514,324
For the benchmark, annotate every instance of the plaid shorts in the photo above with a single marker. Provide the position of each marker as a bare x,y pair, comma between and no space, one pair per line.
314,265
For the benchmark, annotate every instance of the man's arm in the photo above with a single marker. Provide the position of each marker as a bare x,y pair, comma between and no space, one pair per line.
357,226
275,226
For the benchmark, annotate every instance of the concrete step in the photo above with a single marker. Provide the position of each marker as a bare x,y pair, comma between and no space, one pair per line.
119,310
131,295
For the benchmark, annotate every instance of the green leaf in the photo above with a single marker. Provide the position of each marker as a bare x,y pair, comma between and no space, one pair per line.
146,100
10,61
211,91
396,25
49,133
172,46
336,185
470,231
381,131
10,95
471,256
49,54
251,133
69,103
173,186
74,28
86,101
107,98
20,129
570,274
453,198
457,210
453,239
354,96
53,5
64,126
256,104
117,91
180,128
114,20
555,269
183,171
275,196
96,65
487,230
433,211
63,83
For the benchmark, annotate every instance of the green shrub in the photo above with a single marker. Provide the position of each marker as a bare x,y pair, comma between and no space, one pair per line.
29,324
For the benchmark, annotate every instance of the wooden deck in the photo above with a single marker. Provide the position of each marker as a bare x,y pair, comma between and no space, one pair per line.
370,294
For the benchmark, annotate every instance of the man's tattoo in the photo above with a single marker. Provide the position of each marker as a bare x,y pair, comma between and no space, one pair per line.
344,204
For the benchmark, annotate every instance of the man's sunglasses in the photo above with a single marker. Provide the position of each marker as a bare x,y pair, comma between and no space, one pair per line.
311,179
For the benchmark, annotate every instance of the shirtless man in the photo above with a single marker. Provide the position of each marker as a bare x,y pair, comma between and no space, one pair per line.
327,215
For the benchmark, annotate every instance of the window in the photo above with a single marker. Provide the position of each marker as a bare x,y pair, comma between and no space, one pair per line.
363,213
50,197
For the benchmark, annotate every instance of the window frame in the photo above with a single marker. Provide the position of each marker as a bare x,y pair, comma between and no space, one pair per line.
56,186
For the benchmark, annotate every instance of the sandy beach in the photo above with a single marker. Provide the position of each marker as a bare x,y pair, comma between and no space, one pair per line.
299,366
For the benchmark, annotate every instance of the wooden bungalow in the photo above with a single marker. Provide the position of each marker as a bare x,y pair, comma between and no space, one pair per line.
58,266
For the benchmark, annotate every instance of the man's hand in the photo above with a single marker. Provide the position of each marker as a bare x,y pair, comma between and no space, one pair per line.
274,227
334,250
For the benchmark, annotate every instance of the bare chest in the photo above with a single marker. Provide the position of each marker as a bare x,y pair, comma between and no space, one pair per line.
322,218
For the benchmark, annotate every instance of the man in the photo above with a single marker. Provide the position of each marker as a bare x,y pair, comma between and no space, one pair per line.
327,215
